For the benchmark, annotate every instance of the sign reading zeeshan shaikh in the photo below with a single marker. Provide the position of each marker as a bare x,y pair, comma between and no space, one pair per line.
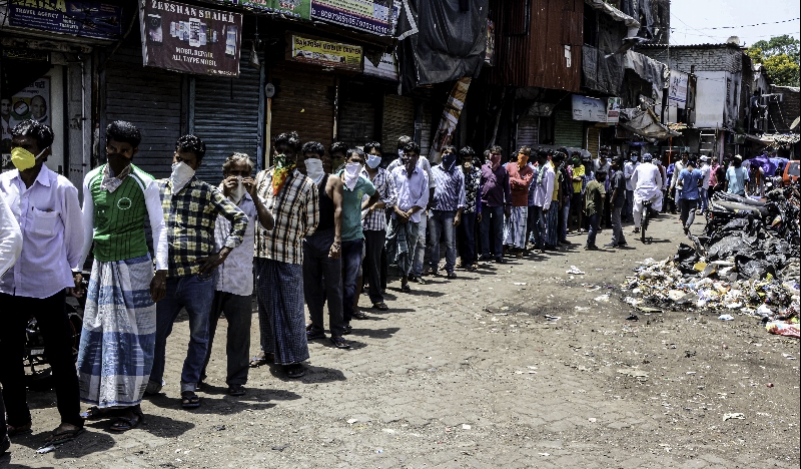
186,38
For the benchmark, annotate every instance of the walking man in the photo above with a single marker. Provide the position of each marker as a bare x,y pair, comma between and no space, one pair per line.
737,177
294,201
234,277
46,209
647,182
496,202
412,185
618,201
374,224
628,172
690,181
191,208
118,338
706,172
446,211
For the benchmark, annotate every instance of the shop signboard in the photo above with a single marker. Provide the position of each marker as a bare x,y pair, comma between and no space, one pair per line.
187,38
613,110
677,93
589,109
372,16
325,53
299,9
387,68
90,19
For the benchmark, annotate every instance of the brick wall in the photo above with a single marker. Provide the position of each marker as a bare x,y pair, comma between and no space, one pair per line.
712,59
783,114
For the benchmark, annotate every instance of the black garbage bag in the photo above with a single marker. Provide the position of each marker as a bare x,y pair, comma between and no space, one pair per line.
749,268
686,258
729,246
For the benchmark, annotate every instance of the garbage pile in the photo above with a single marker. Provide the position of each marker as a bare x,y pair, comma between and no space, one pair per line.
748,260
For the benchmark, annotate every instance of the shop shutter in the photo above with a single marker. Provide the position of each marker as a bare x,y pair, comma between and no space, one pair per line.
528,131
304,102
593,140
356,122
568,132
426,132
398,120
148,97
226,118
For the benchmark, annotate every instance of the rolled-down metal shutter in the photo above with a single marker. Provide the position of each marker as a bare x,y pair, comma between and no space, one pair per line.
304,102
426,132
226,118
356,122
149,98
568,132
593,140
398,120
528,131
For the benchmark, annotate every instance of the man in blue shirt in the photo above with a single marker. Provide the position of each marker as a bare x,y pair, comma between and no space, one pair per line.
737,177
446,210
689,181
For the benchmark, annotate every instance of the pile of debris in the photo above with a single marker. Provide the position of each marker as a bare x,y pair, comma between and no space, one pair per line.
748,260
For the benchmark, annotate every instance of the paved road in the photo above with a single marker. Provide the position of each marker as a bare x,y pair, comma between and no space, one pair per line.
468,374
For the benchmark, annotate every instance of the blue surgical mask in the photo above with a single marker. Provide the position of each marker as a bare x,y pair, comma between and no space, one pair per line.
373,161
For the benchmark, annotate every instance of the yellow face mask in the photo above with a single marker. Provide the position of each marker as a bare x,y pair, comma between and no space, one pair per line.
23,159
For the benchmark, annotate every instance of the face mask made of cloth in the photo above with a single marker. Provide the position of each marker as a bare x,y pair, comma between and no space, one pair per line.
351,174
373,161
448,161
181,175
314,169
23,159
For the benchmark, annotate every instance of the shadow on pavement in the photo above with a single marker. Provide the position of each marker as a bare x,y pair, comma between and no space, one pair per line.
89,442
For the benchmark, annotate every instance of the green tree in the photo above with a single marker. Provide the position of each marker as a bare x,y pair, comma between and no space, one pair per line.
780,57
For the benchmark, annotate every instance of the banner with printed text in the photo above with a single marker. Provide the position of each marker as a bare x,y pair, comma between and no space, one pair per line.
191,39
372,16
325,53
299,9
89,19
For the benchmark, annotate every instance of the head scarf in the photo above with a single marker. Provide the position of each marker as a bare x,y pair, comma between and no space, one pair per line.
283,168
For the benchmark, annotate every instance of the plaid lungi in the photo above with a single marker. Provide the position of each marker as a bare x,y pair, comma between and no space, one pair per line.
119,333
515,228
279,287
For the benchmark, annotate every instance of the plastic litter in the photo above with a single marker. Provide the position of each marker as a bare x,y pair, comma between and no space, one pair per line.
46,449
726,317
602,298
552,318
734,415
575,271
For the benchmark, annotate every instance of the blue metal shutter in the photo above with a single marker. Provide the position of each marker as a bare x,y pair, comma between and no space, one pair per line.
226,118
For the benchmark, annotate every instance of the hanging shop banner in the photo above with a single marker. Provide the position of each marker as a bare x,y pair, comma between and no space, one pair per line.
589,109
613,111
89,19
677,93
326,54
190,39
387,68
365,15
299,9
450,118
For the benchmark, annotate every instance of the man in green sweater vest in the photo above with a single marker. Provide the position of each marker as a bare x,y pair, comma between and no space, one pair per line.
119,329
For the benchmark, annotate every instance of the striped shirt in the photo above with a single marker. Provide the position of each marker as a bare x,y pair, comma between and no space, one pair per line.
449,195
296,210
190,217
377,219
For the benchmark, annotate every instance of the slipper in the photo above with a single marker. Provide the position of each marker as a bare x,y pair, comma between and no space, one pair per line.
96,413
262,359
472,268
311,335
380,306
63,436
347,329
451,274
189,400
340,343
295,371
405,288
123,424
21,430
236,390
360,315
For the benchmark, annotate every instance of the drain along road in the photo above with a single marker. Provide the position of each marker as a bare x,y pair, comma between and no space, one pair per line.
470,373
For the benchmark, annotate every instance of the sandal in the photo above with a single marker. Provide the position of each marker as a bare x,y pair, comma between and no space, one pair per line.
129,421
236,390
21,430
189,400
295,371
96,413
63,436
347,329
312,335
262,359
472,268
360,315
340,343
405,288
380,306
451,274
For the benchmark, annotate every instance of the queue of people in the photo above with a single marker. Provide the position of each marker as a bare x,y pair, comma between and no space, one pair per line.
316,227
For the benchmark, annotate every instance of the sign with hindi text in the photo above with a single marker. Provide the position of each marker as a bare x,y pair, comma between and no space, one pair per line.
325,53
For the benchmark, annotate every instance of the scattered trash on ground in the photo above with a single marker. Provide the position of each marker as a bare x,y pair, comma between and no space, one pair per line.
632,317
575,271
218,428
552,318
46,449
602,298
735,415
747,261
281,448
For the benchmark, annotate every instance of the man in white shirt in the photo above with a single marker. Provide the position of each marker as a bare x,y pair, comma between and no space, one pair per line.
10,249
234,280
678,167
706,171
647,182
628,171
46,208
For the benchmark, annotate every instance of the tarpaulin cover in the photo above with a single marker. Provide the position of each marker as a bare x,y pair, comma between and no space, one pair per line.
648,69
617,15
601,73
645,123
640,9
441,40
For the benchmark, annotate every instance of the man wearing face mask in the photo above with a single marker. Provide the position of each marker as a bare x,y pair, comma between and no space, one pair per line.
446,211
191,208
234,277
472,210
358,195
544,202
338,154
496,201
628,171
293,199
647,182
47,211
412,185
678,168
374,223
322,264
520,176
117,199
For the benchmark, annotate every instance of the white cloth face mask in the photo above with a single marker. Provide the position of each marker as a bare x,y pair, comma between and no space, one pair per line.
314,169
181,175
351,174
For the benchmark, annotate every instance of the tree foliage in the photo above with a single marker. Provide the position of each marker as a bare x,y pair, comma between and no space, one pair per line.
780,57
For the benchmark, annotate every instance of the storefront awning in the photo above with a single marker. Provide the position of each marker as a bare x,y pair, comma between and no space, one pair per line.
645,124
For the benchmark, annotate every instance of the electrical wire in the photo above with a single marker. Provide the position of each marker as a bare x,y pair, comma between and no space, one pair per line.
743,26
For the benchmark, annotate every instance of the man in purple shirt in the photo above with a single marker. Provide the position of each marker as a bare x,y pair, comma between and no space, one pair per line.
496,200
